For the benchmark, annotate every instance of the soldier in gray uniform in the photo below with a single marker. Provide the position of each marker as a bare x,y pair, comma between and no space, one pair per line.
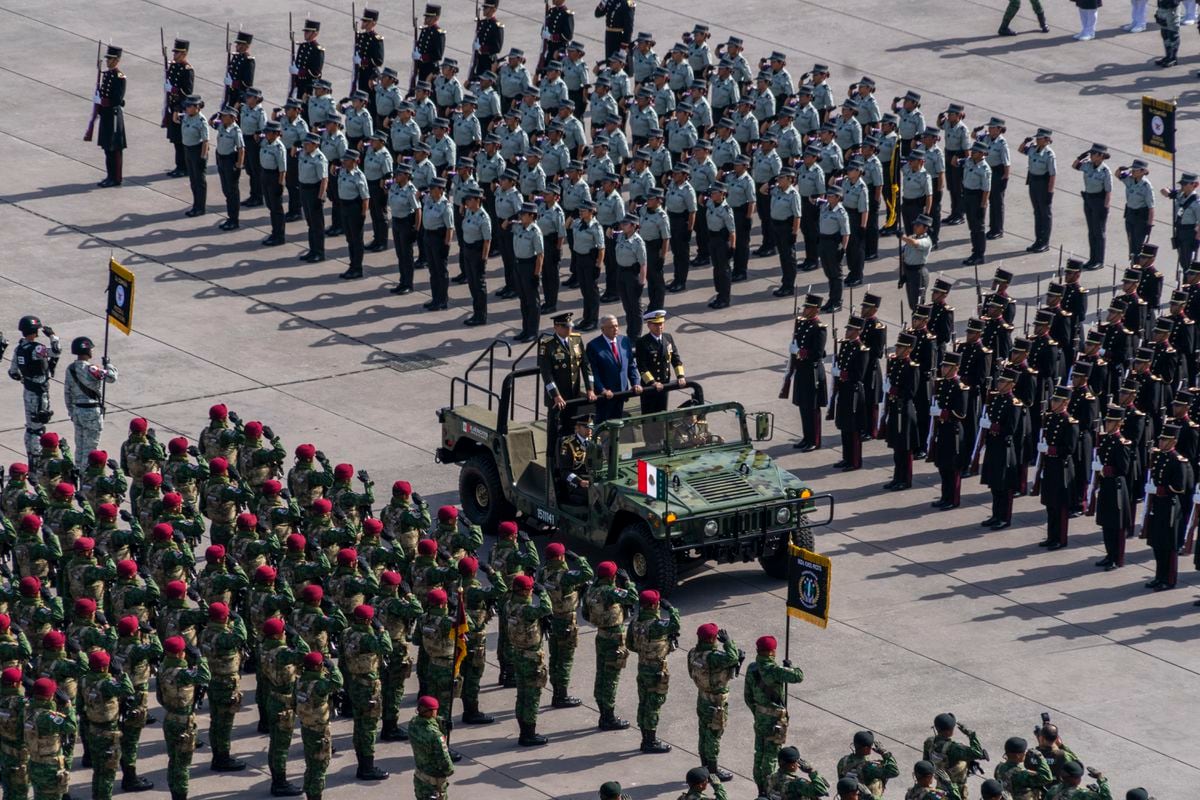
656,233
312,174
910,121
334,145
377,168
703,176
1040,177
82,386
822,94
1139,204
231,156
916,189
873,177
741,196
725,92
1097,194
553,224
847,130
528,258
834,230
587,251
977,183
810,183
33,364
998,160
681,208
935,165
437,227
507,202
958,141
784,213
914,253
631,266
253,119
404,206
1187,218
193,130
273,169
856,201
294,129
610,211
722,239
808,117
765,166
354,197
476,243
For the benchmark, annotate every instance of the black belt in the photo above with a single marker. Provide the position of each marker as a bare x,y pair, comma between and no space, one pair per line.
529,260
270,169
473,245
915,266
829,237
87,405
786,221
976,191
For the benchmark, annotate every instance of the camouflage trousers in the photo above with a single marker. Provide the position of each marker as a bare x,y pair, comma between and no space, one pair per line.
398,668
133,725
1168,28
281,716
439,683
423,790
49,781
88,425
37,404
14,761
224,700
105,746
610,660
1014,6
564,638
652,693
712,710
179,731
531,673
770,732
366,698
504,651
471,672
318,750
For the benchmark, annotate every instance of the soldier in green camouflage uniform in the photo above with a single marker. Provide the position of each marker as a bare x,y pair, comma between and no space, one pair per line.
46,724
1023,773
431,752
790,781
177,617
456,539
102,694
946,754
64,520
55,464
765,693
33,553
185,476
167,560
251,549
397,609
405,518
435,629
102,481
65,669
529,658
133,594
698,779
425,574
304,480
1071,787
14,646
297,569
184,518
35,612
21,495
266,599
222,498
147,498
222,579
374,553
350,586
512,555
222,641
318,527
605,605
564,583
113,541
365,649
928,784
711,669
311,622
1054,750
870,773
141,453
351,505
480,603
260,454
183,670
14,755
652,638
138,651
219,439
319,682
278,667
275,510
84,575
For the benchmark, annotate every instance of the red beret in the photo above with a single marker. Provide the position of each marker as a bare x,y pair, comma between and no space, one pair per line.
172,500
218,612
766,644
31,585
427,703
177,446
11,676
271,487
523,583
306,452
247,521
65,489
447,514
215,552
176,589
5,622
107,511
163,532
343,472
54,640
507,529
127,626
295,542
426,547
437,597
347,555
555,550
98,660
468,565
313,660
273,627
364,613
138,425
707,632
127,568
31,522
253,429
97,458
174,645
18,469
312,593
266,573
152,480
390,578
85,605
218,465
649,597
219,411
322,505
44,688
606,569
402,487
372,526
85,544
49,439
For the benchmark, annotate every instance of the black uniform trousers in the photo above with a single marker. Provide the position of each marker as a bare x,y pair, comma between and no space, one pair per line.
764,215
718,252
611,279
272,194
784,241
1096,216
196,166
475,269
910,209
855,248
996,201
871,237
954,182
436,254
830,252
294,205
527,293
656,282
503,236
254,169
587,272
314,216
702,236
810,230
1184,241
335,206
935,214
1137,229
1041,199
629,289
974,211
550,270
352,224
404,233
378,207
915,280
230,175
741,250
681,239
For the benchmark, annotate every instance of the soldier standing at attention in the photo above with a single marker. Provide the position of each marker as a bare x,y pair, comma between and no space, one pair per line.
901,432
564,574
365,646
183,670
437,223
47,724
354,196
658,358
433,763
606,602
435,630
81,396
239,75
368,55
33,364
711,669
231,157
850,410
14,753
566,371
480,602
618,25
278,667
273,168
489,41
308,66
809,389
652,638
1058,443
475,245
101,694
253,120
194,132
1041,175
766,695
976,191
1003,430
529,251
1111,502
319,681
180,82
222,641
138,651
110,97
524,621
948,413
1167,473
430,46
955,758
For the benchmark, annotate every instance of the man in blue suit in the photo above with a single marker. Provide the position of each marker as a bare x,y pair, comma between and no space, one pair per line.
613,368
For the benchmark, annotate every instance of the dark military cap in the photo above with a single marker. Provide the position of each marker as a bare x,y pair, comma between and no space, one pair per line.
813,151
646,92
764,76
684,106
554,126
1113,414
654,133
745,100
312,25
941,285
922,311
334,117
789,755
923,219
452,63
855,322
1117,305
193,100
724,63
370,15
871,300
601,139
819,68
997,122
491,138
1130,386
1054,288
1144,354
777,56
406,105
1073,265
991,789
682,167
312,138
576,46
702,144
864,739
439,182
871,141
660,72
1163,325
588,205
403,168
433,10
487,75
527,208
975,324
564,318
1003,276
254,92
611,177
618,55
656,192
1182,398
536,152
229,111
321,83
867,81
244,38
954,108
913,96
696,776
1149,251
552,188
1178,297
850,104
1132,275
1138,163
905,339
603,82
510,175
917,153
359,94
1098,150
847,785
113,52
954,359
717,186
181,46
804,88
838,191
631,219
787,111
350,155
855,163
466,162
574,164
470,98
931,133
512,113
923,769
441,122
979,147
735,41
272,126
421,147
813,300
1020,345
473,191
1074,769
1009,376
1082,370
1138,794
787,172
888,119
743,160
390,72
768,138
612,789
424,86
1043,133
827,127
531,91
946,721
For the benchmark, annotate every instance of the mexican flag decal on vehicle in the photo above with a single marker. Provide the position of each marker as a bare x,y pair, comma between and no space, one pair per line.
649,482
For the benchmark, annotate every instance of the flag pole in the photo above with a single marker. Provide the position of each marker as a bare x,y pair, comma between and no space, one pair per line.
107,327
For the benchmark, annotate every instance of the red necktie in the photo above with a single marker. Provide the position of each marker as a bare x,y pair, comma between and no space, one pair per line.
616,355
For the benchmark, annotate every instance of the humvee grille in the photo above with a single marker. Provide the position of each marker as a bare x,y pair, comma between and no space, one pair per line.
723,488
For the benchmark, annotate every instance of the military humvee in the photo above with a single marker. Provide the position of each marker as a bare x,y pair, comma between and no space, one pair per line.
724,500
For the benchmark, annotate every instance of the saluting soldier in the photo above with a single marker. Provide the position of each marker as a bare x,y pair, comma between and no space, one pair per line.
110,98
948,414
901,431
1097,192
354,195
1002,423
914,255
1139,204
253,119
925,355
858,765
652,637
765,693
1056,448
834,232
850,407
977,181
566,575
607,600
183,671
943,753
1187,218
1040,176
312,174
712,667
430,46
720,227
193,138
308,65
809,388
180,82
231,158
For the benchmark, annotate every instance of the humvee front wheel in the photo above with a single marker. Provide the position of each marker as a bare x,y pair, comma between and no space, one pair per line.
649,561
481,495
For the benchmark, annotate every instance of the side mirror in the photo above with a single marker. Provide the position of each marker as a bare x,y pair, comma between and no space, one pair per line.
764,426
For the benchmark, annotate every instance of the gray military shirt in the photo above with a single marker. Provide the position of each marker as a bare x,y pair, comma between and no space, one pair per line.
229,140
527,241
1096,180
1138,193
273,156
476,227
352,185
587,238
312,167
834,221
1041,162
630,251
402,200
719,218
655,225
916,255
784,204
193,129
610,209
681,198
377,164
810,181
976,175
914,184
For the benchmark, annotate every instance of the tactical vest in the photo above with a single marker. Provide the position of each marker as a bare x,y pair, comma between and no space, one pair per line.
105,537
18,498
421,582
251,473
175,696
48,467
145,505
80,585
502,559
564,603
44,748
23,615
138,671
87,485
66,680
222,662
651,651
121,604
164,569
707,678
259,607
434,640
211,445
178,474
357,657
27,564
311,707
481,615
601,613
302,488
278,672
12,651
853,765
206,585
56,519
170,623
346,592
216,508
1005,773
307,622
12,719
396,626
760,687
34,370
938,756
398,523
241,543
131,452
100,710
523,633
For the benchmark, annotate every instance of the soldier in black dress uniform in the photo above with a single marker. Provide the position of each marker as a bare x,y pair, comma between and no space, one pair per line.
1136,311
1165,363
1033,393
874,335
566,372
368,57
1097,364
900,428
309,64
489,41
1002,429
1139,432
239,75
1188,446
1117,345
850,411
948,441
1110,495
1045,360
941,315
658,359
618,25
1152,392
809,388
1082,408
558,30
182,80
1060,438
1000,293
430,46
925,353
975,371
1168,477
997,331
1150,285
1061,326
110,99
1183,336
1075,300
1191,285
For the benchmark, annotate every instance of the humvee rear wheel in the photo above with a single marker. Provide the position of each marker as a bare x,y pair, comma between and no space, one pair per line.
481,494
649,561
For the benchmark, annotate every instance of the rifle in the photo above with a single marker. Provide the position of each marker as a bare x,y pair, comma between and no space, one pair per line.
1148,492
791,368
978,291
412,80
91,126
292,39
475,43
228,62
931,435
977,449
1058,272
354,51
1094,472
166,107
542,57
833,384
887,387
1038,466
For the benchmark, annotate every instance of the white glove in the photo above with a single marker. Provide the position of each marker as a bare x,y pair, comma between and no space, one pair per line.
545,32
167,86
416,56
474,45
96,98
794,348
985,423
1096,465
837,371
357,60
934,409
293,69
1043,447
228,80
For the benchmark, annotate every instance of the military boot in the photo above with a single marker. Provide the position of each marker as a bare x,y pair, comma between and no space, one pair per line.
280,787
473,716
652,744
1042,23
131,781
178,795
609,721
563,700
722,773
223,762
393,732
529,735
367,771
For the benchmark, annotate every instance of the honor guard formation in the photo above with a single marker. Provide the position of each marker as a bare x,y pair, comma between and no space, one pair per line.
200,567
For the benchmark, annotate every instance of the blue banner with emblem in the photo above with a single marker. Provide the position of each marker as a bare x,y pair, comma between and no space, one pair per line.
809,576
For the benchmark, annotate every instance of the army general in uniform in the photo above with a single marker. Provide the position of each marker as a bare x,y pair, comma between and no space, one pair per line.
566,371
658,358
